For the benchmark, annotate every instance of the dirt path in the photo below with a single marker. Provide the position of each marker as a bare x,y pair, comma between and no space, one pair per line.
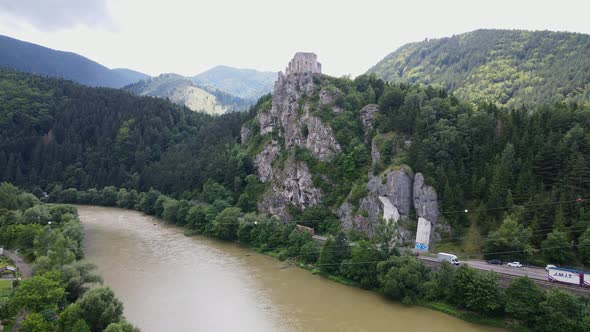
23,267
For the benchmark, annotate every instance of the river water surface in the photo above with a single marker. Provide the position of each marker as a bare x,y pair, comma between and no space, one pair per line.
170,282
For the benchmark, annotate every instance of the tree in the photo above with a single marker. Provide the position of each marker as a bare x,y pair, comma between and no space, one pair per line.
170,210
60,252
557,248
225,225
510,241
38,214
36,294
310,252
27,200
441,284
401,278
335,251
108,196
147,202
197,218
362,265
35,322
8,196
523,297
77,276
560,311
99,307
70,320
584,247
477,291
122,326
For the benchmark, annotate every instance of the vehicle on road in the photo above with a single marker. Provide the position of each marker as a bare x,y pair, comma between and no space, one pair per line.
567,276
495,261
549,266
444,257
514,264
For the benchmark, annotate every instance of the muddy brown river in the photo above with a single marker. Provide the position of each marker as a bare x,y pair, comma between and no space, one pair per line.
170,282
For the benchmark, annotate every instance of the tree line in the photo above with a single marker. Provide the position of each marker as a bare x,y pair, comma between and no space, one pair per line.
377,263
57,298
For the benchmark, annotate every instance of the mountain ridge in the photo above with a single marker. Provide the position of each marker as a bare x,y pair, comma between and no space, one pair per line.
505,67
37,59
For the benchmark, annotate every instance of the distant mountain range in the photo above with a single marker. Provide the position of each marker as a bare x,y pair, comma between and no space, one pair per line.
180,90
505,67
36,59
244,83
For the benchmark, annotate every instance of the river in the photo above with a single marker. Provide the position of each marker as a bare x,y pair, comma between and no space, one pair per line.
170,282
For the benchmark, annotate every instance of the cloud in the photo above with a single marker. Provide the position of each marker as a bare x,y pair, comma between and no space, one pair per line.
51,15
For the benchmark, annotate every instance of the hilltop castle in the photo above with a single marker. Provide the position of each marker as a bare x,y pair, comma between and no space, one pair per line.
304,62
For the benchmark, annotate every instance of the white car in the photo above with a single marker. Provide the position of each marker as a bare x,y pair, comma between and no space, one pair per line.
514,264
549,266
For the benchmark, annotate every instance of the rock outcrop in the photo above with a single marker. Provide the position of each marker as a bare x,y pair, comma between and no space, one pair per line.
392,195
290,119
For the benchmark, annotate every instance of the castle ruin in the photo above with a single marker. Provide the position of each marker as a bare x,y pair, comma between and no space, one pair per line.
304,62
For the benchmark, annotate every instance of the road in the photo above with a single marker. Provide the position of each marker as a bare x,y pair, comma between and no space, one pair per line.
23,267
532,272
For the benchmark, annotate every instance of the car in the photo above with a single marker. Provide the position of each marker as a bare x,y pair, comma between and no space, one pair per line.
495,261
514,264
549,266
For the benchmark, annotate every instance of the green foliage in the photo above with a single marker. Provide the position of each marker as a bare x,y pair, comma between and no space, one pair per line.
560,311
362,265
225,224
557,247
99,307
70,320
335,251
477,291
506,67
523,298
401,278
35,322
36,294
510,241
122,326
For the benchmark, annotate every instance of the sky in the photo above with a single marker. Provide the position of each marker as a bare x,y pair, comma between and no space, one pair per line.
188,37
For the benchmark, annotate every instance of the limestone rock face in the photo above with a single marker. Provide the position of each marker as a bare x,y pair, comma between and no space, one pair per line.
290,119
329,97
375,154
425,200
244,134
264,161
292,185
368,116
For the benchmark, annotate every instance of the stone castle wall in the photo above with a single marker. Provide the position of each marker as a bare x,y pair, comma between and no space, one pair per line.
304,63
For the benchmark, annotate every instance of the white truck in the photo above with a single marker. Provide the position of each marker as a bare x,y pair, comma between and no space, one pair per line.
444,257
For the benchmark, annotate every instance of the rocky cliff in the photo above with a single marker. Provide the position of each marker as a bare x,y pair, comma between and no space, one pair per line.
294,121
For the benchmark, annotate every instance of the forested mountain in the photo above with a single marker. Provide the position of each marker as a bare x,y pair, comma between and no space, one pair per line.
179,90
36,59
505,67
58,132
523,176
244,83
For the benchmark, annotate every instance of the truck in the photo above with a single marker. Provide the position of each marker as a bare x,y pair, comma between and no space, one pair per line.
444,257
566,276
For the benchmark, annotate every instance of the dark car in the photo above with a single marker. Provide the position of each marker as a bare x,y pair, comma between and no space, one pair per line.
495,261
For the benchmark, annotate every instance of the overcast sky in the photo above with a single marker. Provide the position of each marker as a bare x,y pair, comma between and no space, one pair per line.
188,37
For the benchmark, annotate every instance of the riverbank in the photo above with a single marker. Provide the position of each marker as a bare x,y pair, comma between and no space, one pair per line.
133,254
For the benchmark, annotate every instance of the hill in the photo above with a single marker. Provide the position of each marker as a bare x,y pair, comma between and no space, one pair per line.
54,131
179,90
506,67
36,59
244,83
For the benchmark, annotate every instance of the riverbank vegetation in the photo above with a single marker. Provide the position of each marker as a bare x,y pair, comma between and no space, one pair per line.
374,263
57,297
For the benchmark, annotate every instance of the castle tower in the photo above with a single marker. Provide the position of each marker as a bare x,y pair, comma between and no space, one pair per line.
304,62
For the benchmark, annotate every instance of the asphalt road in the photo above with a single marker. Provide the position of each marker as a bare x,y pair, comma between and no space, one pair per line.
531,272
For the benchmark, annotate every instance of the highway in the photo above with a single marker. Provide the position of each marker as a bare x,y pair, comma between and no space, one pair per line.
532,272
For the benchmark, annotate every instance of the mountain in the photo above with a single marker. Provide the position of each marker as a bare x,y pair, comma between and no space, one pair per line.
244,83
180,90
505,67
57,131
36,59
131,75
